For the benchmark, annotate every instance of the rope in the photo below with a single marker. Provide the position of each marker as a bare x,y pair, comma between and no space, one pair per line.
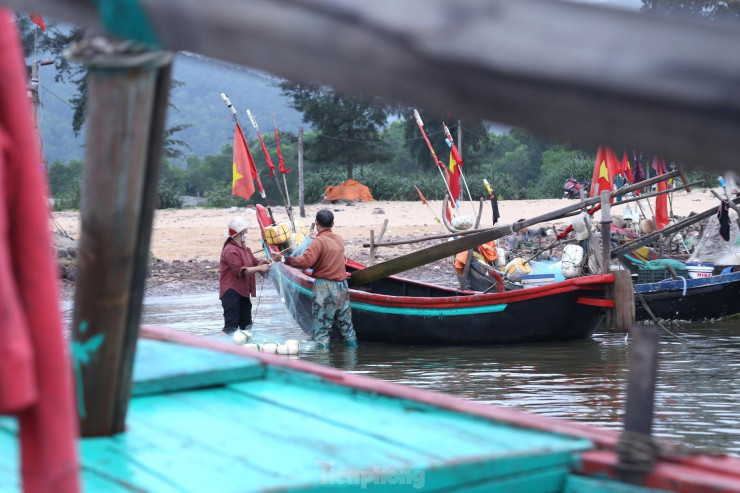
637,452
654,318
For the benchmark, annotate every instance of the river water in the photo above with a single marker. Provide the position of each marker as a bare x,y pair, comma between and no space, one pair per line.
697,395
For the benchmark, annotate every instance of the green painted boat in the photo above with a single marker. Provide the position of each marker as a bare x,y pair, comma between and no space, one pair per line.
210,416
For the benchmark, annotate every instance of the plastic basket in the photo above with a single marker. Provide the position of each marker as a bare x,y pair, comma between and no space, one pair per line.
656,275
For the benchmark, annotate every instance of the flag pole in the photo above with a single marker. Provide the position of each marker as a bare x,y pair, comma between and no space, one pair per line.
434,154
462,175
271,166
282,170
256,174
424,201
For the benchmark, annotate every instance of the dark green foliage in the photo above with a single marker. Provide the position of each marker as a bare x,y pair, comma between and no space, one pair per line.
64,178
347,128
474,139
168,198
67,200
219,196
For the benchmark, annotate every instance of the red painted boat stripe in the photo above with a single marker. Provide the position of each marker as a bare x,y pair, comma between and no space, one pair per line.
595,302
669,474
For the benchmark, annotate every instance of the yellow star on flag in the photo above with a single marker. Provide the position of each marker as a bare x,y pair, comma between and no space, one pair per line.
603,172
235,175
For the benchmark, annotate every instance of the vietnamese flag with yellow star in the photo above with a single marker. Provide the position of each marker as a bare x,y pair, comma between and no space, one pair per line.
242,182
606,168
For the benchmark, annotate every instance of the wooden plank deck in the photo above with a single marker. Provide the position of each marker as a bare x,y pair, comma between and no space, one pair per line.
247,426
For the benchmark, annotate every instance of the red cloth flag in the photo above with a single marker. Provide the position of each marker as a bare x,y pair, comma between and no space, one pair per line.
661,201
605,168
454,176
281,167
421,196
35,367
243,169
626,169
38,20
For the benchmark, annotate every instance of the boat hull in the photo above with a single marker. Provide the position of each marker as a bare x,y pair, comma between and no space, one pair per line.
704,298
401,311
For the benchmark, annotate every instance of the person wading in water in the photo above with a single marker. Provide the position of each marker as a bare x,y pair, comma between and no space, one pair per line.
330,306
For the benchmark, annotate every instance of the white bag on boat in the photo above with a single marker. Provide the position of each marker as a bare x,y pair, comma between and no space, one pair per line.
516,269
462,222
572,261
501,260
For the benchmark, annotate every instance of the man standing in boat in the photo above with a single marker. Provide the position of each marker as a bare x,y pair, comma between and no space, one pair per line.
325,255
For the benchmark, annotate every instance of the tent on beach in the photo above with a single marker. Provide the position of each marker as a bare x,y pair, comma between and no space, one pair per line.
349,191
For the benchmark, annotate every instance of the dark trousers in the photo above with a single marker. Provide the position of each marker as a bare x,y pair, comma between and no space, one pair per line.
237,311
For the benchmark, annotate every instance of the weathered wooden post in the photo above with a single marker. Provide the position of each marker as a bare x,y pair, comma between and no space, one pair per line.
466,270
606,231
301,205
636,449
127,100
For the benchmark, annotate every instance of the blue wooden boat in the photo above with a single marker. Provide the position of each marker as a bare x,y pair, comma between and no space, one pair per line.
210,416
401,311
689,299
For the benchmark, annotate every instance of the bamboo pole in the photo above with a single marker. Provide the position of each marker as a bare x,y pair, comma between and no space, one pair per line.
127,101
301,204
450,235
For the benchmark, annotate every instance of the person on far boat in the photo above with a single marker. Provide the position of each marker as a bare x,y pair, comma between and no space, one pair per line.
325,255
523,239
236,280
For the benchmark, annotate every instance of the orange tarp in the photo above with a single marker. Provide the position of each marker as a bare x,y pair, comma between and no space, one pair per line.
487,250
350,190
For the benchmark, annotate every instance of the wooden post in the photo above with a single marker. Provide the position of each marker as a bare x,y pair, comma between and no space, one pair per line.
126,114
469,258
634,448
371,258
606,231
374,242
301,205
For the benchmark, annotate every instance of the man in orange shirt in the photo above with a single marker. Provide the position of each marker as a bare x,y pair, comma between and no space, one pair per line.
325,255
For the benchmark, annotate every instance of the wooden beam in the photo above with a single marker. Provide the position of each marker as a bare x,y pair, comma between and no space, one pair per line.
126,113
500,60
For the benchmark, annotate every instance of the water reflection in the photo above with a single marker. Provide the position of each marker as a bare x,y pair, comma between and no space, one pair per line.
697,397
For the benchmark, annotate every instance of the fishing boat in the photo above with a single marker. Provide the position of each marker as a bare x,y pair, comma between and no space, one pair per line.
687,298
402,311
205,415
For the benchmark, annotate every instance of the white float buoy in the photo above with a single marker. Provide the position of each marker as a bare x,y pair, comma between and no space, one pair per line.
241,337
282,349
269,347
293,346
252,346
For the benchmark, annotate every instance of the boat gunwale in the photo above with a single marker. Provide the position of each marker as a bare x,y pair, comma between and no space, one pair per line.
463,298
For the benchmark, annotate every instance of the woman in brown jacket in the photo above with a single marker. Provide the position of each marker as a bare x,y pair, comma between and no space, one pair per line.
237,282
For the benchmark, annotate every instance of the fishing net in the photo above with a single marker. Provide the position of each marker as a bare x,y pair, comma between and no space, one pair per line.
712,248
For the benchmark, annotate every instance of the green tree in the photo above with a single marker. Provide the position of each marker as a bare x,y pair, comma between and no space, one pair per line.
348,128
474,139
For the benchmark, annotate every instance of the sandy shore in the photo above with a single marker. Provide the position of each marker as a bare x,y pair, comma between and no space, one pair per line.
192,238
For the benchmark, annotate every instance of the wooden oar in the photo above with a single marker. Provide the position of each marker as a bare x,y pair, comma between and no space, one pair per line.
438,252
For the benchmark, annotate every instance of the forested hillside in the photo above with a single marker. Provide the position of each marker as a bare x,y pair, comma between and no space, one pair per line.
196,102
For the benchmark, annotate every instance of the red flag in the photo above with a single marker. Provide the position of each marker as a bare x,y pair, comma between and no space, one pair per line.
38,20
661,201
282,167
243,168
454,176
626,169
605,168
421,196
